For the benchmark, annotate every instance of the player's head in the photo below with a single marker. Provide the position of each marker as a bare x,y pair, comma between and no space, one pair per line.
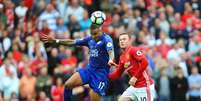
124,40
95,32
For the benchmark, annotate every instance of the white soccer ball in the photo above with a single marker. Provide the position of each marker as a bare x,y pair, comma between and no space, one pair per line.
98,17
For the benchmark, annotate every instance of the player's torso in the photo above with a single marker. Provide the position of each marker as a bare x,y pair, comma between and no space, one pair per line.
98,53
128,62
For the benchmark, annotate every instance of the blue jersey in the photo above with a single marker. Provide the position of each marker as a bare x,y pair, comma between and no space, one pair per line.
98,51
96,73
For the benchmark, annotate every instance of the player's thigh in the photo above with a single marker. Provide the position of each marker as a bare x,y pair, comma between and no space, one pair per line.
74,81
94,96
121,98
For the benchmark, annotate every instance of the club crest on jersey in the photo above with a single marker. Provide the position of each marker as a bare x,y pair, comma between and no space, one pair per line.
126,64
109,44
139,53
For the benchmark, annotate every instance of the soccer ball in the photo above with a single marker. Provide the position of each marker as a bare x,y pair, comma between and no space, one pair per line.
98,17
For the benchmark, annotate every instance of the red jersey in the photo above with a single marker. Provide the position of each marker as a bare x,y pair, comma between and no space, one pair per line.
135,63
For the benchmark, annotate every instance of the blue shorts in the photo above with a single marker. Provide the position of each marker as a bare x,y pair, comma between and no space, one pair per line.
96,78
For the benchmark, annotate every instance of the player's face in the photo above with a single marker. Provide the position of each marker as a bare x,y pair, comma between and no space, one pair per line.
95,33
124,41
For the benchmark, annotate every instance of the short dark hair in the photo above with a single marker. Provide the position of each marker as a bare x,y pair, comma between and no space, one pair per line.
125,34
94,26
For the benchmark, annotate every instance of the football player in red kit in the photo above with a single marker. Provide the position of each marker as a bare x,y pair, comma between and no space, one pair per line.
135,63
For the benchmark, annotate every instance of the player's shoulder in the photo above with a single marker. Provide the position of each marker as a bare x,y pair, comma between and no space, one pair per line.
106,36
88,37
136,50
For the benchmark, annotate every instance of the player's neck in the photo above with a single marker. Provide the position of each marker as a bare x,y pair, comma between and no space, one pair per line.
126,48
99,38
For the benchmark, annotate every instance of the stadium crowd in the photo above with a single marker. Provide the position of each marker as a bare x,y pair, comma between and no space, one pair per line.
168,30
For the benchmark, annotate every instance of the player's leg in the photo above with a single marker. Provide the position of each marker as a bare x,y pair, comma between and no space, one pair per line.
94,96
125,99
130,94
74,81
99,84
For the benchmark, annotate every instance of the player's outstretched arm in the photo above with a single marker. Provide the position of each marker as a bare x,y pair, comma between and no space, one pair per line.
111,58
48,39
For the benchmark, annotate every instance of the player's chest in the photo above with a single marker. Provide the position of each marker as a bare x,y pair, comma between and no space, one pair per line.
96,45
96,49
126,61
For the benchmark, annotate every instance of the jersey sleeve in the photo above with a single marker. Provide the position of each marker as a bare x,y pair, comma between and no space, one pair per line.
141,60
109,43
83,42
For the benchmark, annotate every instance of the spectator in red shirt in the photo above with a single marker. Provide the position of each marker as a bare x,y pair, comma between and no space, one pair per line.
57,90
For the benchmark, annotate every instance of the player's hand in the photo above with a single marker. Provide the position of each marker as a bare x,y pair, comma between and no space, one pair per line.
133,81
46,38
112,63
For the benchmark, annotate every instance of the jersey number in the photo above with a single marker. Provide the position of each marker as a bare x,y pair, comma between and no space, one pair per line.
101,85
143,99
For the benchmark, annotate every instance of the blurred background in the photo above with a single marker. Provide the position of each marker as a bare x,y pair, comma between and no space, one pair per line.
168,30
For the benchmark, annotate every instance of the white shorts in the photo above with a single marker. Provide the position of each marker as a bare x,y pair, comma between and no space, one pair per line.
140,94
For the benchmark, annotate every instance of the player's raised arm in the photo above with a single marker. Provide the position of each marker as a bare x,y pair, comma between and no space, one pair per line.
48,39
110,50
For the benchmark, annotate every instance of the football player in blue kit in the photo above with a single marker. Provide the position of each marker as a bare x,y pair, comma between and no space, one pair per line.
101,53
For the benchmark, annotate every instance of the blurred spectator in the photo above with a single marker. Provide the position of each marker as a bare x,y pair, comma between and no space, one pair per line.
194,81
6,42
62,6
57,90
9,82
21,11
43,96
1,96
35,46
198,60
69,62
164,25
42,79
177,27
38,63
53,60
61,30
175,53
194,44
178,5
61,55
14,97
164,86
9,6
85,23
179,86
27,85
3,17
49,15
17,55
73,25
74,9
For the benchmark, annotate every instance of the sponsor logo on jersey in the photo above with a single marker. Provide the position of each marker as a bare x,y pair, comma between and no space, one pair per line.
127,64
